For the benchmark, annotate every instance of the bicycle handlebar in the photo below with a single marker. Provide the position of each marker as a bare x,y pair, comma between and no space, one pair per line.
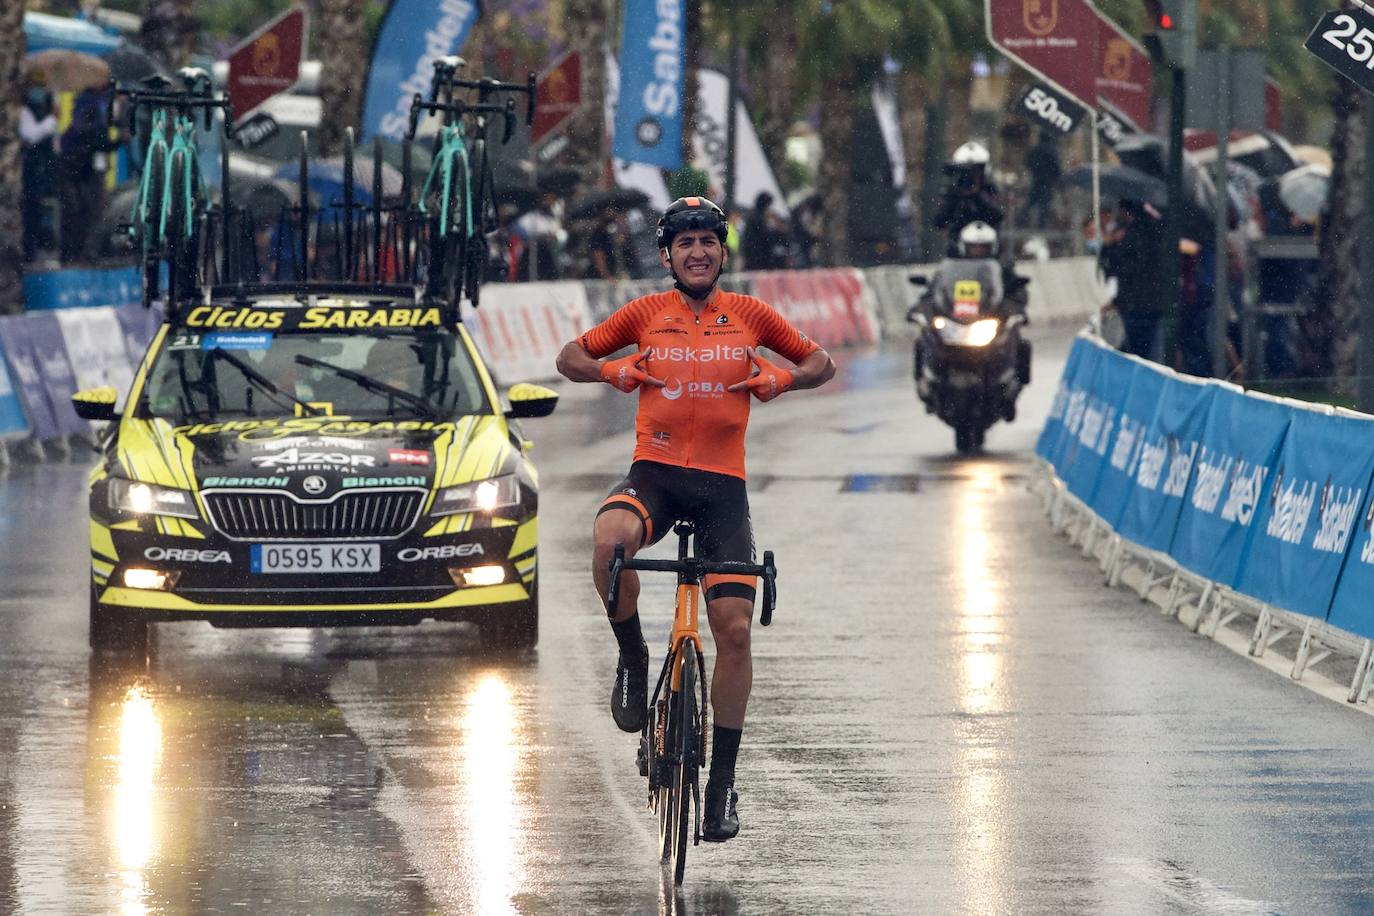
446,79
695,569
418,104
196,95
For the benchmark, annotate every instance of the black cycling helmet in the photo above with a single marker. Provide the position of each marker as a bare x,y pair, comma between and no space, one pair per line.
689,213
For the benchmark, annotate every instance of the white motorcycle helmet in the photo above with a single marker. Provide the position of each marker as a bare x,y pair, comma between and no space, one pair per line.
971,153
974,234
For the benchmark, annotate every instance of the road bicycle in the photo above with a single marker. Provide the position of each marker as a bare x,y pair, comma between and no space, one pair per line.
172,199
460,178
672,747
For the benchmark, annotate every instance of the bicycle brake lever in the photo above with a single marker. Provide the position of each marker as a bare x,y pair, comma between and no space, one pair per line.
510,121
530,87
415,101
613,589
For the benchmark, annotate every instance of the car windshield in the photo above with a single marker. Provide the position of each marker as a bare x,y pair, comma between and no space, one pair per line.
198,377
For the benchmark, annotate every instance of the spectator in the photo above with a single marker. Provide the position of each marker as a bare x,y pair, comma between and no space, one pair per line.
609,248
762,243
1042,164
539,234
38,133
82,163
1132,255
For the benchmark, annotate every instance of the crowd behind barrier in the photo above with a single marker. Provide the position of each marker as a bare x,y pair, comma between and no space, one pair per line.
48,354
1257,499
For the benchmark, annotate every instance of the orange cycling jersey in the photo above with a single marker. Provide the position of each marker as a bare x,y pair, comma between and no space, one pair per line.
693,421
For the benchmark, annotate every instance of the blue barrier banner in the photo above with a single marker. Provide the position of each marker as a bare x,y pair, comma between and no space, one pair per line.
413,35
1067,408
55,370
62,289
11,414
1086,454
1351,607
1139,400
1165,463
648,114
1241,440
33,394
1309,511
139,325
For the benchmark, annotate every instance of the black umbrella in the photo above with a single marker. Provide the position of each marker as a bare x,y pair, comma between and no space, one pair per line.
558,180
130,64
598,202
1121,182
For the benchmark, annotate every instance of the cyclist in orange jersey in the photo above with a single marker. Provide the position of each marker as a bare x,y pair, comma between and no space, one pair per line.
696,362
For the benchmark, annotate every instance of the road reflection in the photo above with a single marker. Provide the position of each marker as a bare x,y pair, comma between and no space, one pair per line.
490,757
981,794
134,824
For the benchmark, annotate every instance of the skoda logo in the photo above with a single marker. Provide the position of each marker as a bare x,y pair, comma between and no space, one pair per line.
314,485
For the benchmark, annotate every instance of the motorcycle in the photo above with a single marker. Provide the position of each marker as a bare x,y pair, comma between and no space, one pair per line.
970,359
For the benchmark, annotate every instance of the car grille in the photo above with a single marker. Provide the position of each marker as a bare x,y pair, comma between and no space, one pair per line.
348,517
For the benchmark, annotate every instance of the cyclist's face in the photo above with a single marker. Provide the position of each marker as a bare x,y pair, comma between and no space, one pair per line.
696,256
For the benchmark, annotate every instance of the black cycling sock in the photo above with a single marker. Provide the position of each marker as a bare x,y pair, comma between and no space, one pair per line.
630,637
724,749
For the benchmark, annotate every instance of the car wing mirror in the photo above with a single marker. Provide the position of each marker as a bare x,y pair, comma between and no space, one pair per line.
96,403
528,401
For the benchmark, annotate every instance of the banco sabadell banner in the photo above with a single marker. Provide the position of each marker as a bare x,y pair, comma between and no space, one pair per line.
414,34
648,119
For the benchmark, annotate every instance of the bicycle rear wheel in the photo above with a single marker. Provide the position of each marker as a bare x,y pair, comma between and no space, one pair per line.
687,750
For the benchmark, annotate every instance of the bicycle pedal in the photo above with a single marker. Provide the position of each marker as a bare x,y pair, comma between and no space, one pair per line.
642,758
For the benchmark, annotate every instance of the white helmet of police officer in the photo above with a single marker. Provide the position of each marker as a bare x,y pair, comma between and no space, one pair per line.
971,153
975,235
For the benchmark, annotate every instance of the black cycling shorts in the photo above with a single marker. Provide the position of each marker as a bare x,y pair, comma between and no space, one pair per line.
716,504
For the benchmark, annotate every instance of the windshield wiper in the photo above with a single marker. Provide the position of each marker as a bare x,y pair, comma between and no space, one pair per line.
262,381
375,385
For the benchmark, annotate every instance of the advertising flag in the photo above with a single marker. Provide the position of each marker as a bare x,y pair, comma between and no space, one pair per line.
1054,39
414,34
1125,75
648,120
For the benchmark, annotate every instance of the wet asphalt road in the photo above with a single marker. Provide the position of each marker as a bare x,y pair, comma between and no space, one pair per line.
950,715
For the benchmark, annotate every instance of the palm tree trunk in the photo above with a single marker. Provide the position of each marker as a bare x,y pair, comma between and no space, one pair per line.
1331,332
837,138
692,44
342,51
169,31
587,22
11,177
774,101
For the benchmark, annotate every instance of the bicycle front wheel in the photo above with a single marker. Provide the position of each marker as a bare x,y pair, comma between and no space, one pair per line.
687,751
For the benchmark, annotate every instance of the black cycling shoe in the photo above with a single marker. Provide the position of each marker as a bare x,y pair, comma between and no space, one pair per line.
630,693
721,822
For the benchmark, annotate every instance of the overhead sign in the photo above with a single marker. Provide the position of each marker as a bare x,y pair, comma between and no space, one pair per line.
266,63
558,96
1125,74
1050,109
256,129
414,34
1054,39
1344,41
648,121
1112,129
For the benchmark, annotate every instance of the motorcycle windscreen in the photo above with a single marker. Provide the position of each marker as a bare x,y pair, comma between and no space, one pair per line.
967,288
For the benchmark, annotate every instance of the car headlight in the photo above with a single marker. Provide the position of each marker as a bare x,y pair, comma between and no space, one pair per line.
151,499
478,496
978,334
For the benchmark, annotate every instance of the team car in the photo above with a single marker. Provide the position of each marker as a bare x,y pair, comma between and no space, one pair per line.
316,461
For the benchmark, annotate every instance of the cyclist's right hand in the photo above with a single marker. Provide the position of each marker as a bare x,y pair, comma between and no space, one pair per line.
627,373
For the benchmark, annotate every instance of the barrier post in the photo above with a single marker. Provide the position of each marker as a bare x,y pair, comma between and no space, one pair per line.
1360,668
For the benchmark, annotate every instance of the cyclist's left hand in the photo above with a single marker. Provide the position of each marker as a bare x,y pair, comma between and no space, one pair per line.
770,381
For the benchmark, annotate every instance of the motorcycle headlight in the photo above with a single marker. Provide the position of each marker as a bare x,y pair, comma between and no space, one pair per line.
478,496
978,334
151,499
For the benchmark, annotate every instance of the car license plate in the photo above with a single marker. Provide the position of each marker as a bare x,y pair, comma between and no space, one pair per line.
316,558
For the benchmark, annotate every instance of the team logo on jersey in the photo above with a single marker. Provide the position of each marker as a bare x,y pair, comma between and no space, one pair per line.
723,319
673,390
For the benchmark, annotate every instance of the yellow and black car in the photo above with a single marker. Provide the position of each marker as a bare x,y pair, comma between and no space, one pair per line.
314,460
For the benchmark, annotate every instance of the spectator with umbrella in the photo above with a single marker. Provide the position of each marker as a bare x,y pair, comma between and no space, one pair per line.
38,133
1133,256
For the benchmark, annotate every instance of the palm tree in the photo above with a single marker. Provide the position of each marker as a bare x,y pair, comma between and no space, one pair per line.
11,178
169,31
343,48
588,24
1332,332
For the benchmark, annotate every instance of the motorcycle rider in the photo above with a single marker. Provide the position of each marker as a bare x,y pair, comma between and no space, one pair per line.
971,196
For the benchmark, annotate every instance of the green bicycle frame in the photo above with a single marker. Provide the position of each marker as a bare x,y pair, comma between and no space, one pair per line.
157,146
183,140
450,145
